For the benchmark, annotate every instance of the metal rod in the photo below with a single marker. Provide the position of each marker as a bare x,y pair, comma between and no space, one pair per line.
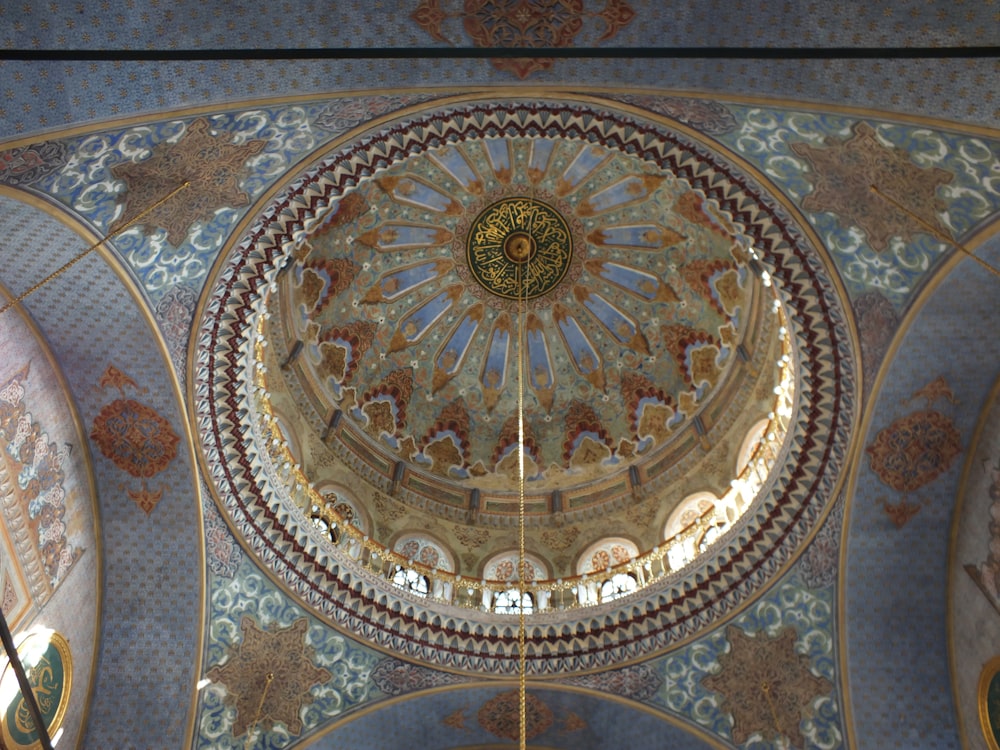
933,230
22,679
480,53
80,256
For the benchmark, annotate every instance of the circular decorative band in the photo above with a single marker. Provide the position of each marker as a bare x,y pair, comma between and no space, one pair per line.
801,487
519,248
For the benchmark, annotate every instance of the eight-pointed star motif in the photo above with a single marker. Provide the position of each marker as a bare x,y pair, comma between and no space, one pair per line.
766,684
843,176
281,653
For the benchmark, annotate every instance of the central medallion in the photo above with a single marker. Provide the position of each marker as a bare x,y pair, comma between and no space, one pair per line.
519,248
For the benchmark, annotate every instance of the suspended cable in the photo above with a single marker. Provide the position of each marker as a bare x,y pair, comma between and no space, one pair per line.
76,259
934,230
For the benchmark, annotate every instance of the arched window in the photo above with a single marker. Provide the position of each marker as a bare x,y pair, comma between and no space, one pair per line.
337,508
694,509
618,585
687,512
286,435
505,603
411,580
713,533
606,553
503,567
426,551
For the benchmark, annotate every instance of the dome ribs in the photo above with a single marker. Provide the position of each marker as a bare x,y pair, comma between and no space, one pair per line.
453,352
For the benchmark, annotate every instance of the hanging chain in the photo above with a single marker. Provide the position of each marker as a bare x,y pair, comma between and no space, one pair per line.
521,638
73,261
765,688
268,679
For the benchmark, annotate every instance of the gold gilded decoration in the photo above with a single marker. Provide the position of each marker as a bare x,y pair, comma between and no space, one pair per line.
843,172
500,716
767,685
519,247
208,161
989,702
48,665
246,671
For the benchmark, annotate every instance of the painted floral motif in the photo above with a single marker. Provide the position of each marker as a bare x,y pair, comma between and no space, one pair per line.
877,323
987,573
223,551
638,682
501,716
28,164
766,685
395,677
819,563
560,539
211,164
281,653
914,450
249,594
711,118
900,513
174,313
9,599
520,24
36,465
845,172
936,389
134,437
345,114
471,536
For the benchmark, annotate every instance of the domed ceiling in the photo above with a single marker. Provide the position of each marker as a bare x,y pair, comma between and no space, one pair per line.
361,358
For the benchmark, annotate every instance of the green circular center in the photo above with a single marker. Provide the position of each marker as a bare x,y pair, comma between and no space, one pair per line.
519,248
